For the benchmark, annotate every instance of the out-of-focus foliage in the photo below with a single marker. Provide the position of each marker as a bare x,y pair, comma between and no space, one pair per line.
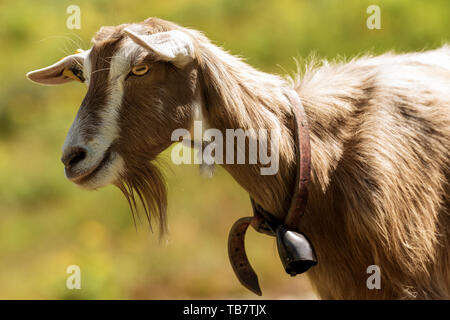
47,223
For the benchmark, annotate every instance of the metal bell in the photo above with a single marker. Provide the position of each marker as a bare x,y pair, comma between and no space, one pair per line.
295,250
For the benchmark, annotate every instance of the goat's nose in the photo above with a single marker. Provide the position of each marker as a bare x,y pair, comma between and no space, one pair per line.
73,155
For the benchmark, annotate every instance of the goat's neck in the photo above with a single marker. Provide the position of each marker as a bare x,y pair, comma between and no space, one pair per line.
238,96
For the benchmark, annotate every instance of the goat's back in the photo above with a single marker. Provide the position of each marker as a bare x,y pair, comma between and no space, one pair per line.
380,135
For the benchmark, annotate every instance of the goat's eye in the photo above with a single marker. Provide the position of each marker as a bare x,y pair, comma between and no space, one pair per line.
140,70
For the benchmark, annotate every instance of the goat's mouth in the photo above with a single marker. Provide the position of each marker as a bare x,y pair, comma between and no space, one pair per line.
83,177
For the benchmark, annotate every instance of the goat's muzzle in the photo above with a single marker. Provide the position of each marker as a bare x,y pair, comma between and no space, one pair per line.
73,156
81,164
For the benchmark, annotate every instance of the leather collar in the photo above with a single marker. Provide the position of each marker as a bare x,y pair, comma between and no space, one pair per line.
264,222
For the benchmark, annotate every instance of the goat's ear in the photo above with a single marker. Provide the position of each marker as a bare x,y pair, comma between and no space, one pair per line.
173,46
65,70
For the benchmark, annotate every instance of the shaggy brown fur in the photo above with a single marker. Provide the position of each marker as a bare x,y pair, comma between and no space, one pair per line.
380,136
380,192
380,139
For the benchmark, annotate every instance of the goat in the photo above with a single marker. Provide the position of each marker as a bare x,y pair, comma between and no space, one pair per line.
380,141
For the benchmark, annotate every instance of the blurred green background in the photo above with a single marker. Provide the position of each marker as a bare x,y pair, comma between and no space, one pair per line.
47,223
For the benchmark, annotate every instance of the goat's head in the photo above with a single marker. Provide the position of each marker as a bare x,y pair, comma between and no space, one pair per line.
142,84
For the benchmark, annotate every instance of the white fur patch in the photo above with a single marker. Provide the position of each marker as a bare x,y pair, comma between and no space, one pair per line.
107,175
87,67
108,129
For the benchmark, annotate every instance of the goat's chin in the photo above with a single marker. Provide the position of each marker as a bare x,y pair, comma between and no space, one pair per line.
144,188
107,172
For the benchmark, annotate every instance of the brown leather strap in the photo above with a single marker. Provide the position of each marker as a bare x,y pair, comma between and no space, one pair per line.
300,195
238,257
300,198
263,221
